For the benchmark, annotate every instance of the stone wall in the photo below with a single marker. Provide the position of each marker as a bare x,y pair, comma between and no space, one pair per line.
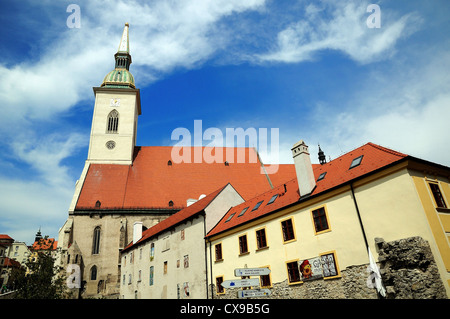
407,268
351,285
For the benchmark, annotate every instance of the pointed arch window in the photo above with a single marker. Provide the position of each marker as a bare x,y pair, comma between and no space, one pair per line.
96,241
113,121
94,273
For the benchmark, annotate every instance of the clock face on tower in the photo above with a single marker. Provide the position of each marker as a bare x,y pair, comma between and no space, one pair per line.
114,102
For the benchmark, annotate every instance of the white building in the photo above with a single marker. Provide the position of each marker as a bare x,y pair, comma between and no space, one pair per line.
168,260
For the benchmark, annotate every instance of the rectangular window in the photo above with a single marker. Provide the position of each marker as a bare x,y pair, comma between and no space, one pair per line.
321,176
152,273
287,229
165,267
293,272
439,199
329,265
182,234
152,251
265,281
186,261
123,280
218,249
139,275
140,254
243,249
320,219
261,238
219,288
166,244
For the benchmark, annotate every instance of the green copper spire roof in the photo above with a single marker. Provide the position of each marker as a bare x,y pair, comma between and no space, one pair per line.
121,77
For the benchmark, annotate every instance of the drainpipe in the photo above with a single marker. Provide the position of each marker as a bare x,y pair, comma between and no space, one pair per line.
359,216
210,265
206,253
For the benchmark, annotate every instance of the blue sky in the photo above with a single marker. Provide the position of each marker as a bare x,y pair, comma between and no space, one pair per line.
313,70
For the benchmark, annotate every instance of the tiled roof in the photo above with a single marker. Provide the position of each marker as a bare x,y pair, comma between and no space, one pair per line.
286,194
338,172
5,237
44,244
150,183
178,217
11,263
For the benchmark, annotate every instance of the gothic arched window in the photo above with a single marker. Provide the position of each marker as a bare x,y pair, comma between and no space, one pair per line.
113,121
94,273
96,241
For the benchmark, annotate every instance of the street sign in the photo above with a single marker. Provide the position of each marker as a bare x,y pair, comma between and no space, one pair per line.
240,283
253,293
241,272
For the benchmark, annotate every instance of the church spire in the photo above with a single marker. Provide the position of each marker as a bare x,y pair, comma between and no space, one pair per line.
121,77
124,45
123,57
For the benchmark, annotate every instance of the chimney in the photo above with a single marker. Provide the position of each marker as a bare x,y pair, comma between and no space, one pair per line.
137,231
303,168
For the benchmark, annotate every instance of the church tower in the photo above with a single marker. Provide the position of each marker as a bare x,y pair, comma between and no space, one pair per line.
116,111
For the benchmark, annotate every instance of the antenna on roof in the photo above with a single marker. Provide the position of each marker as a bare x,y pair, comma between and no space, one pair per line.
262,166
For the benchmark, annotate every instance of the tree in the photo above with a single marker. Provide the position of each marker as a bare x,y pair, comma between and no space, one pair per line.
41,282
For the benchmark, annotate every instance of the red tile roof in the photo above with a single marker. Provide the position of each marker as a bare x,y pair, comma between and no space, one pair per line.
150,183
337,173
178,217
11,263
5,237
44,244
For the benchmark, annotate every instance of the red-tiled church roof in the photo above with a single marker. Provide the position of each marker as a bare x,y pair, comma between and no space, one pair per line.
178,217
150,183
45,244
338,172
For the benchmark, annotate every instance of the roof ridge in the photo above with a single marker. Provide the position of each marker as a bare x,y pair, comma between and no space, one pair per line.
166,223
387,150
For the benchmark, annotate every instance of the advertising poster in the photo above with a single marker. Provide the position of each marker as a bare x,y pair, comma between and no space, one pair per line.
310,269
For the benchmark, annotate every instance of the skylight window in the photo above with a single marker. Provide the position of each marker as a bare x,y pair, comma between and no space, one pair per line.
356,162
257,205
322,176
229,218
243,211
272,199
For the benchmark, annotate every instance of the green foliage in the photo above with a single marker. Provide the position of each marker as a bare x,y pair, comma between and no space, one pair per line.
40,282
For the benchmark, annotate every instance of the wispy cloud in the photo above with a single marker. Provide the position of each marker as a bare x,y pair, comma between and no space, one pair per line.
339,26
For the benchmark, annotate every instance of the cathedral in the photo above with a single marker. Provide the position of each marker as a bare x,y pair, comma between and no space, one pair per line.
122,183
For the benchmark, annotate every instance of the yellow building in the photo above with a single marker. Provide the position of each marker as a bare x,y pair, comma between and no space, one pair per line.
314,231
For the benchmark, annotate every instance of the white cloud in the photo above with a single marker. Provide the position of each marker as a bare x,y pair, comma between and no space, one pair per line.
403,108
340,26
66,63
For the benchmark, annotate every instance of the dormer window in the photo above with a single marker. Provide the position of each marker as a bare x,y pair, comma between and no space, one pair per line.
356,162
322,176
243,211
272,199
257,205
229,218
